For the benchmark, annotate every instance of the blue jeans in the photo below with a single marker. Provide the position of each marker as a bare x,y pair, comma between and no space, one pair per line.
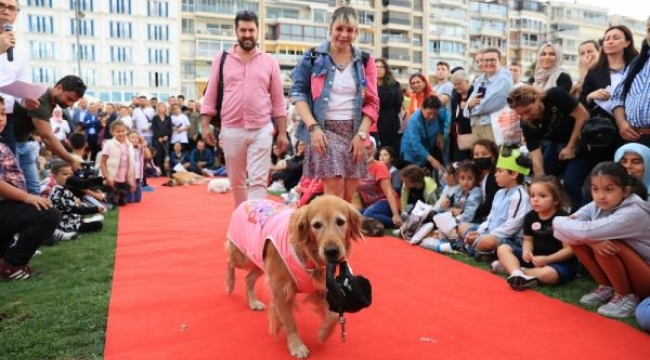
27,156
643,314
573,172
135,196
380,210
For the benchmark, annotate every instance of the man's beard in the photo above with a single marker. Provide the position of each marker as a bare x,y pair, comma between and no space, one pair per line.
247,46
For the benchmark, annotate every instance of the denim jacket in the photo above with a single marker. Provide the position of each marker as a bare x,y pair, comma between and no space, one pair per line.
313,85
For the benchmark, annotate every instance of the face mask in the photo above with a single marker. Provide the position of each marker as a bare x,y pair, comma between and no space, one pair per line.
483,163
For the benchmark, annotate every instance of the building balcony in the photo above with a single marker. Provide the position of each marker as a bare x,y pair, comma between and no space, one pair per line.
287,59
484,31
215,32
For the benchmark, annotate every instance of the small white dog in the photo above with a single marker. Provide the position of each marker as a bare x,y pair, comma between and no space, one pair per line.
220,185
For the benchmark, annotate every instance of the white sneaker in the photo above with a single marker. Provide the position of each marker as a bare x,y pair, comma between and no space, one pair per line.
277,187
93,218
63,235
397,233
422,232
497,267
621,306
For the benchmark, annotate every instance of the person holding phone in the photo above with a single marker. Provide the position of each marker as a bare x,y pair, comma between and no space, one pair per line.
493,87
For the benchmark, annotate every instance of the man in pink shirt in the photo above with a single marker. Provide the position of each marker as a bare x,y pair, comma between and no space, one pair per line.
252,96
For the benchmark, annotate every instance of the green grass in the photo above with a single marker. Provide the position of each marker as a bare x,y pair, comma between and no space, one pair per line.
61,312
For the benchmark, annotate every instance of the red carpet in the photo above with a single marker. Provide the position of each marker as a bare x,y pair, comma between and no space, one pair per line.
168,301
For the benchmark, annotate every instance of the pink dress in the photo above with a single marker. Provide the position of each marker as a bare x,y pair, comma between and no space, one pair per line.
254,222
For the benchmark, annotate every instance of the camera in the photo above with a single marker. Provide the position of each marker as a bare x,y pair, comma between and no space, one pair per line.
85,178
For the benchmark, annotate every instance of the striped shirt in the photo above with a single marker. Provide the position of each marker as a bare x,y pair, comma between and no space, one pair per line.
637,101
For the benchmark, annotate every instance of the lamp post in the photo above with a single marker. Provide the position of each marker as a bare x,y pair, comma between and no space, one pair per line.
78,15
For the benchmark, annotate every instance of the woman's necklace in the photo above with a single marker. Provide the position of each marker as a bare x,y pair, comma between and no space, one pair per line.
340,65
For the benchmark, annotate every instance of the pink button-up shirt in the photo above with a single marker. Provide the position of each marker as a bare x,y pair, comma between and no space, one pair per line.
252,91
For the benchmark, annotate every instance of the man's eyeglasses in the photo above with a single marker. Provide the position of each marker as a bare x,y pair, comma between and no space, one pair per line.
11,9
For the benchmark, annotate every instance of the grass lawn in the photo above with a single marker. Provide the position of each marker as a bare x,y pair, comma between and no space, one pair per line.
61,312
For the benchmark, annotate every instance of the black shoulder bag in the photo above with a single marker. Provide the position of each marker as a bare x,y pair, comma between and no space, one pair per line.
216,120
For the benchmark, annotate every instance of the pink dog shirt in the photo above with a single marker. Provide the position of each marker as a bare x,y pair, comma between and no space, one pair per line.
256,221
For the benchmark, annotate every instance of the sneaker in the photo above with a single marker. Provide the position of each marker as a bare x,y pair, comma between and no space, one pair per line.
148,188
397,233
63,235
602,295
497,267
485,256
621,306
10,272
422,232
521,282
37,253
93,218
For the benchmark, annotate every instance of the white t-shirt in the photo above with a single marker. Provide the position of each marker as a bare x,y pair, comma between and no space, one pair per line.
342,96
128,121
60,129
182,123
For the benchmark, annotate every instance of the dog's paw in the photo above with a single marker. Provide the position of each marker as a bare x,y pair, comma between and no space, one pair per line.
256,305
299,350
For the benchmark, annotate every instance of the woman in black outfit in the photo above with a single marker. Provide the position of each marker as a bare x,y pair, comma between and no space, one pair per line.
390,106
161,125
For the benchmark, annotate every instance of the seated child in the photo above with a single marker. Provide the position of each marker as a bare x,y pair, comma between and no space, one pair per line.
541,258
611,238
79,147
506,219
70,207
463,203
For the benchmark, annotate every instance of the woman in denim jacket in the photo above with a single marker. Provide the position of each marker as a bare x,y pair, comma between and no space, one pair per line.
336,97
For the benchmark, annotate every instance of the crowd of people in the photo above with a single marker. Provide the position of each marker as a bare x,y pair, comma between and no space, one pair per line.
493,166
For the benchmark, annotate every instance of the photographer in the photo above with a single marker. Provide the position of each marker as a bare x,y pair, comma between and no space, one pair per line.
71,207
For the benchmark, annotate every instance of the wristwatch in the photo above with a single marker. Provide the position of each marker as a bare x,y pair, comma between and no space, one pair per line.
363,135
313,127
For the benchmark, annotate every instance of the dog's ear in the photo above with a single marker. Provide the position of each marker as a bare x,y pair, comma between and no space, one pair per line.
354,226
299,225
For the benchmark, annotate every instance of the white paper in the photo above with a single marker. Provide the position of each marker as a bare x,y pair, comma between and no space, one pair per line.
23,90
606,104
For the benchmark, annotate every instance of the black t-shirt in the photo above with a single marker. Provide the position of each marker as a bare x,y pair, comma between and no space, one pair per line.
556,125
544,243
23,125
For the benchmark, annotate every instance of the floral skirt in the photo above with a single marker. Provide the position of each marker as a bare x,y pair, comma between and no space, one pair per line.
337,159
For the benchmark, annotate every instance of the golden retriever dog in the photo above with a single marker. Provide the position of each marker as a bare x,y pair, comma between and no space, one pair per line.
292,247
188,178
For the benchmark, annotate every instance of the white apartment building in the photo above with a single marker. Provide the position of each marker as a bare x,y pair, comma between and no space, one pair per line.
118,47
164,47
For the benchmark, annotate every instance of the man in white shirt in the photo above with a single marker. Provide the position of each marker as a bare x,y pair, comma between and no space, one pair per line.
142,117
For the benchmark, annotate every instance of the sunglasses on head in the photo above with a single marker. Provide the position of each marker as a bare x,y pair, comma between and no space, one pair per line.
519,100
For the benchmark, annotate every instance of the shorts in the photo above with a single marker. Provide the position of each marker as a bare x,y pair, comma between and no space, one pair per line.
565,271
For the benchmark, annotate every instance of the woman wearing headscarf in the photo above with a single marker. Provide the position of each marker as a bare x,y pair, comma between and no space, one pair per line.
548,73
635,158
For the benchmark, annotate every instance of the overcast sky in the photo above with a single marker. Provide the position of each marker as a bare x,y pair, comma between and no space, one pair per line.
639,9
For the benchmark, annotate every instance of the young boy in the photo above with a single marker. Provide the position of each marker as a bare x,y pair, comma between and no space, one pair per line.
70,207
31,217
505,222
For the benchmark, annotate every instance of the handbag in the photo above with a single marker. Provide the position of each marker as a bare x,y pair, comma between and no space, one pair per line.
465,141
598,133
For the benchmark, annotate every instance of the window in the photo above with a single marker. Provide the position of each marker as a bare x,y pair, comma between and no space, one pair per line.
158,8
41,50
158,32
187,26
188,6
87,52
158,56
40,3
44,75
84,5
120,29
89,76
120,6
40,24
86,27
159,78
122,77
120,54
